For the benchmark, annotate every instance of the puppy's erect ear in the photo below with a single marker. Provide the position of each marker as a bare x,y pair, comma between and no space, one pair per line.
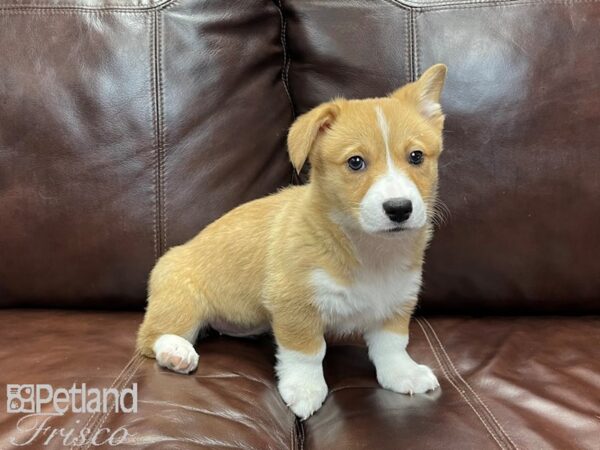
425,93
307,129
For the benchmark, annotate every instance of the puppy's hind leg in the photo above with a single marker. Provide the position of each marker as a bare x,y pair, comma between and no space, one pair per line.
175,314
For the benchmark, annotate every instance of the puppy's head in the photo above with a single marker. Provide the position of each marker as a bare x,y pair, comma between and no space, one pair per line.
374,161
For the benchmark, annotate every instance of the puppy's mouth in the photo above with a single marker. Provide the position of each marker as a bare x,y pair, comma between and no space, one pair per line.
395,230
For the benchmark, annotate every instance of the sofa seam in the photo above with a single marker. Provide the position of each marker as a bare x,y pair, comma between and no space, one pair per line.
447,6
412,47
286,62
285,70
157,147
139,359
452,379
293,437
162,132
93,419
407,46
478,3
508,4
458,389
74,6
429,8
155,183
301,433
398,5
42,12
468,386
417,47
424,5
343,388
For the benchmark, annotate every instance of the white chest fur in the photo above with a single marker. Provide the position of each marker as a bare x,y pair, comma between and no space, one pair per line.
373,296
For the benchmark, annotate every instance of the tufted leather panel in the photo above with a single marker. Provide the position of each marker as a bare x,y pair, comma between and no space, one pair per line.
519,172
124,131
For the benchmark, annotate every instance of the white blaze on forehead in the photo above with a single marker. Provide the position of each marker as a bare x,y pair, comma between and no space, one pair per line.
385,132
393,183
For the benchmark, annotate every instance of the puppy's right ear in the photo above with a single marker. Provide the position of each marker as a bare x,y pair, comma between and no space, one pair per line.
307,129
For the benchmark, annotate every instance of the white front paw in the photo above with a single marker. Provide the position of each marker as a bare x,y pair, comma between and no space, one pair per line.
409,378
301,382
303,395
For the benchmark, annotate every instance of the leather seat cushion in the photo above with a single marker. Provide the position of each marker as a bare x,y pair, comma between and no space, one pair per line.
515,382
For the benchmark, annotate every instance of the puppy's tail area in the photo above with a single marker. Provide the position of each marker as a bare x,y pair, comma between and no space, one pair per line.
175,306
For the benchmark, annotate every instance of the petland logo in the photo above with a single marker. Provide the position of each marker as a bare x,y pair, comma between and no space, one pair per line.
40,402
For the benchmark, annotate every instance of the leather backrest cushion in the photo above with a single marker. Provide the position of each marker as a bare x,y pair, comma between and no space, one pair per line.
520,170
125,127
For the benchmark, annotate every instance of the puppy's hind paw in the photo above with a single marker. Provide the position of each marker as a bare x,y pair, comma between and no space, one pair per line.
175,353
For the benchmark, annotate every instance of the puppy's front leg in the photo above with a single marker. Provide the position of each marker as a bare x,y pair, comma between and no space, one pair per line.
396,370
300,352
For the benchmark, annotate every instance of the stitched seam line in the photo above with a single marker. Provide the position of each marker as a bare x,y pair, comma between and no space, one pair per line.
453,383
153,102
93,419
506,5
138,360
162,133
424,4
416,48
302,435
478,3
292,438
47,12
158,138
413,45
408,44
286,62
285,69
83,8
50,10
442,6
478,399
451,376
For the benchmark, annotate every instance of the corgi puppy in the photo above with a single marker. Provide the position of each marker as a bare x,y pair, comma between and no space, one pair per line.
342,254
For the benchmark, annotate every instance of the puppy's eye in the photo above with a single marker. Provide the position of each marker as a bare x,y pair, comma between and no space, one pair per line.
416,157
356,163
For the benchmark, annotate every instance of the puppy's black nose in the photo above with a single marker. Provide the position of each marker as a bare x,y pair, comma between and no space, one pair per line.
398,209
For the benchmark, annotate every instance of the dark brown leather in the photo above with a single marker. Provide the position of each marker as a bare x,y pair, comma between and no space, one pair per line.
230,401
188,114
505,383
519,174
520,177
125,128
128,125
528,383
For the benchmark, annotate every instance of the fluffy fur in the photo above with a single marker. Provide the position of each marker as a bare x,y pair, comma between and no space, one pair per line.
320,258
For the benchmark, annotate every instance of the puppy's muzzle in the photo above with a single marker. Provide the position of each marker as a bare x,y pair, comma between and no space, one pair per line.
398,209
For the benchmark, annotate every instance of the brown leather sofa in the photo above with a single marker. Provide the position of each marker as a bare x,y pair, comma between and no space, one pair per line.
128,125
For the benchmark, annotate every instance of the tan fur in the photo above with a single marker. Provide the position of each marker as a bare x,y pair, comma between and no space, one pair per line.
252,266
399,323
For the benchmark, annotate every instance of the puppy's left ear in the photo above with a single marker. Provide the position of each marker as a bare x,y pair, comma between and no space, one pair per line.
425,93
307,129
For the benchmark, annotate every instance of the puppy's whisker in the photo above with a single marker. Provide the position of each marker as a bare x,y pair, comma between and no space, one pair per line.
438,210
